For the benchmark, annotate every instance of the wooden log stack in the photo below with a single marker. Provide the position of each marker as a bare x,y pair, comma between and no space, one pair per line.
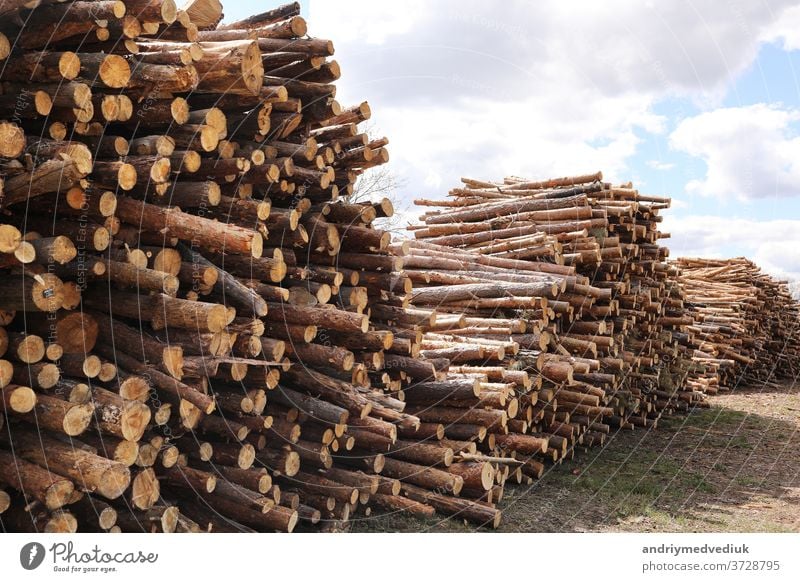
564,281
185,334
746,328
564,322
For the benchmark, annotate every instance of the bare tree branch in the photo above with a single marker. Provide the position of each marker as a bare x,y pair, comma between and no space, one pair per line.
376,183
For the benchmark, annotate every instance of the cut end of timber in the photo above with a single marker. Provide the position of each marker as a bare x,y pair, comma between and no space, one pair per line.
69,65
48,292
247,456
126,452
78,419
20,399
124,108
127,177
12,140
253,69
291,466
43,103
92,366
160,171
209,138
257,245
6,371
145,489
131,28
54,352
109,109
292,522
458,485
172,356
115,72
213,194
179,108
25,252
61,522
5,46
119,9
135,419
10,237
169,11
59,494
107,517
48,376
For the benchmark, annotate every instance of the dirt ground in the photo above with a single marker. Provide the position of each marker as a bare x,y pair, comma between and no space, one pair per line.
734,467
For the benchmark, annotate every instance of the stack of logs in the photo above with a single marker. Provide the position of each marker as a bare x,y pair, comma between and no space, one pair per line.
564,281
186,334
746,328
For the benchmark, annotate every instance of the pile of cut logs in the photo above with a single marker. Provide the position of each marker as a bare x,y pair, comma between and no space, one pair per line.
186,338
563,280
746,328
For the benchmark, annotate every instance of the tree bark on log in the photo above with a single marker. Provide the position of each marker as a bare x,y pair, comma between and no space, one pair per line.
90,472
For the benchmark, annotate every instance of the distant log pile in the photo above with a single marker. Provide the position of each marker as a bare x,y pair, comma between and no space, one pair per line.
559,293
564,281
746,328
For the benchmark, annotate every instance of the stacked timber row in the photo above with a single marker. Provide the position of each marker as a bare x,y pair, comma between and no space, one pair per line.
185,328
746,328
563,280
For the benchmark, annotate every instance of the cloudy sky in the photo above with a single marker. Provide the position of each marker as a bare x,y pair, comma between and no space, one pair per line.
699,101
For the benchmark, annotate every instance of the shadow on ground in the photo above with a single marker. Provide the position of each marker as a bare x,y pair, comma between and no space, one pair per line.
733,467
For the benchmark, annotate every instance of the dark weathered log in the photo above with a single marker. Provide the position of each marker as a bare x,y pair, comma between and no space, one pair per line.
39,520
52,176
278,518
191,478
230,288
208,234
59,416
325,318
118,337
316,408
98,514
32,480
160,519
474,511
264,18
88,471
424,476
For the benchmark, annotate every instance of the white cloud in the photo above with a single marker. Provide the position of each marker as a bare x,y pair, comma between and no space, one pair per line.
614,46
373,24
773,244
468,87
433,180
785,30
750,152
659,165
443,144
